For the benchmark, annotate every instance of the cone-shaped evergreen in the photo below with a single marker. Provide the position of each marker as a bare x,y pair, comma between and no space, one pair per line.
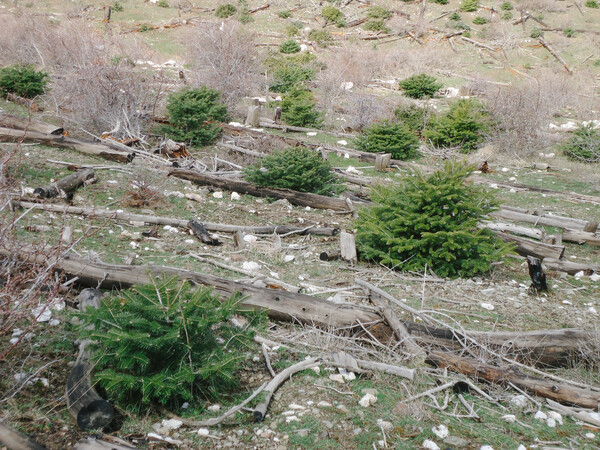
166,343
431,220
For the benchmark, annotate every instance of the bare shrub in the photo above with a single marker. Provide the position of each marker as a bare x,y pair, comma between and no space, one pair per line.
145,190
224,58
523,112
366,109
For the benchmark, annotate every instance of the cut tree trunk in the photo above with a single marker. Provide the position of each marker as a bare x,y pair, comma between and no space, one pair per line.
66,185
281,305
51,140
581,237
527,247
181,223
294,197
201,233
571,267
534,233
561,393
30,124
15,440
544,219
31,105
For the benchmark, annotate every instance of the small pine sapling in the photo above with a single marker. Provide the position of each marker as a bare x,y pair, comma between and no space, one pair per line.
584,145
23,81
298,108
420,86
394,138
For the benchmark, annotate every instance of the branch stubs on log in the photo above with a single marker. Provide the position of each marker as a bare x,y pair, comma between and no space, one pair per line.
66,185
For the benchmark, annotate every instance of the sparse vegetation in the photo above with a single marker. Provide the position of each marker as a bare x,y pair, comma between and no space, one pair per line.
454,16
480,20
441,2
592,4
300,169
285,14
289,46
24,81
469,6
569,32
376,25
420,86
166,344
431,221
414,117
192,113
225,10
290,71
464,126
117,7
298,108
536,33
378,12
394,138
584,145
332,14
321,37
162,4
506,6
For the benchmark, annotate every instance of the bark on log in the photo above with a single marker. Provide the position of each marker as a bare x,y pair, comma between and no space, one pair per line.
521,215
330,255
303,129
527,247
581,237
561,393
201,233
158,220
28,123
556,55
281,305
30,104
294,197
15,440
51,140
553,348
65,185
534,233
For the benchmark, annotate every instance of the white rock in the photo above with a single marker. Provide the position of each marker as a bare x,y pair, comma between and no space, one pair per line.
134,245
569,126
174,194
295,406
594,415
189,241
493,186
250,238
520,401
44,381
595,277
311,133
185,405
556,416
590,435
251,266
487,306
291,419
288,413
303,47
551,422
324,404
288,258
579,275
171,424
218,194
441,431
505,169
203,432
592,310
235,196
510,418
58,304
274,274
42,313
215,407
430,445
486,447
367,400
567,302
342,142
540,415
346,156
20,376
316,369
235,124
54,322
195,197
521,447
337,377
346,86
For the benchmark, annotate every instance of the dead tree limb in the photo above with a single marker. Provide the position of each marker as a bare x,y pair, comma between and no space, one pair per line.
15,440
28,123
556,55
528,247
558,392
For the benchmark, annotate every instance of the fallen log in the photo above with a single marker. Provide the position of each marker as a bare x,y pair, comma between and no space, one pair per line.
201,233
15,440
294,197
527,247
66,185
571,268
265,124
561,393
28,103
537,275
521,215
28,123
534,233
79,145
581,237
281,305
181,223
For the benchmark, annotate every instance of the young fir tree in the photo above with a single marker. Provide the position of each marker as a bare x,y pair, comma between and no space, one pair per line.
298,108
166,343
386,137
431,220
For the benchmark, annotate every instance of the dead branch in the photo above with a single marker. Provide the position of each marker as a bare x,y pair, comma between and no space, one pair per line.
556,55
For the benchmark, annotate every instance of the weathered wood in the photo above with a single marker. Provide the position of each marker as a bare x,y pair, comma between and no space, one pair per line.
181,223
277,115
527,247
66,185
201,233
348,247
28,123
51,140
107,11
303,129
294,197
15,440
561,393
93,443
330,255
281,305
28,103
537,275
556,55
253,116
534,233
541,219
382,161
571,267
581,237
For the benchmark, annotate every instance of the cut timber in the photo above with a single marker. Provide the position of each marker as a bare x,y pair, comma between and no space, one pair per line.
201,233
294,197
51,140
15,440
281,305
27,123
556,55
302,129
382,161
253,117
181,223
544,219
571,267
534,233
560,393
26,102
554,348
348,247
93,443
527,247
581,237
66,185
330,255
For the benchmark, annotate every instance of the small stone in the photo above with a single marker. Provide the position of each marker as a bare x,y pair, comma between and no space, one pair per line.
486,447
289,419
595,277
430,445
251,266
215,407
385,425
367,400
520,401
337,377
592,310
218,194
441,431
235,196
487,306
324,404
42,313
203,432
342,142
311,133
551,422
295,406
250,238
328,424
555,416
357,431
509,418
316,369
371,391
590,435
540,415
454,441
288,258
521,447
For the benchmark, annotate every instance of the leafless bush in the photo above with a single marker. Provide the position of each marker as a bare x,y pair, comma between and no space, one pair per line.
366,109
145,190
522,113
224,58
